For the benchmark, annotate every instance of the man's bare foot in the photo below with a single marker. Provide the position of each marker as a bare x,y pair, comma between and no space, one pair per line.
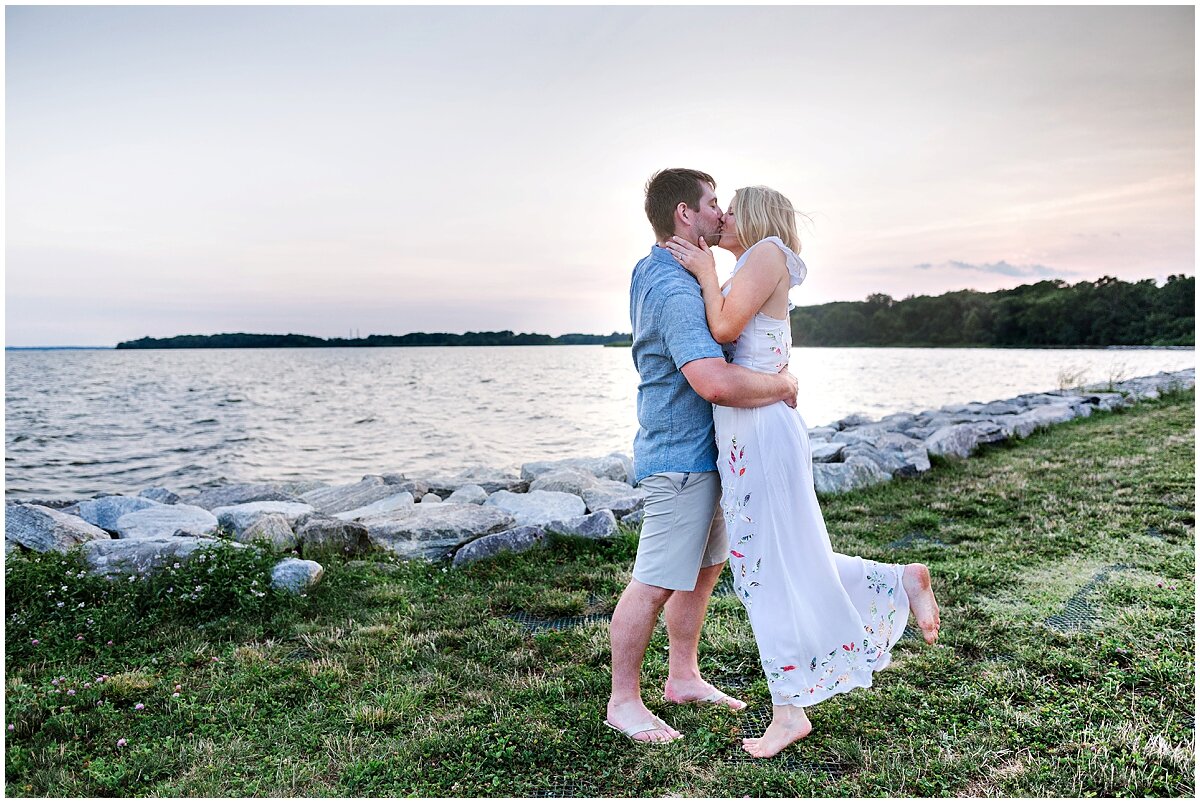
789,724
921,601
635,714
699,691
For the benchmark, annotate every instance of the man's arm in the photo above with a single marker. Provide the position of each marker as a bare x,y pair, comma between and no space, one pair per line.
734,386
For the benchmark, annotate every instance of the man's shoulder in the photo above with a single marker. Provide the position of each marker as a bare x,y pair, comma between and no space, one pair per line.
659,279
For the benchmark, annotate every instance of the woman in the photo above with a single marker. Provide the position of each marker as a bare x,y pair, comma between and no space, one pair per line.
824,622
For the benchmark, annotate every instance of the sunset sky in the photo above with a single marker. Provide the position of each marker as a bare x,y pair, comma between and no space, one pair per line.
195,170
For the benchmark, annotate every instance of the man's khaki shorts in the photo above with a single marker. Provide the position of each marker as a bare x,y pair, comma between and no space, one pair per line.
683,529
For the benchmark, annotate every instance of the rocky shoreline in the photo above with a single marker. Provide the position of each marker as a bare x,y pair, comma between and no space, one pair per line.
481,512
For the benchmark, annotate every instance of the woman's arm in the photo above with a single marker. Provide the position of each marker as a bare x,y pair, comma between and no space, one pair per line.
755,283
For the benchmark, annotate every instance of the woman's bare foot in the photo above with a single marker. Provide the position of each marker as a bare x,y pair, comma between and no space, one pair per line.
921,601
789,724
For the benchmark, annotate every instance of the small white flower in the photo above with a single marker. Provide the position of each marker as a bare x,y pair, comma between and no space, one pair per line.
60,604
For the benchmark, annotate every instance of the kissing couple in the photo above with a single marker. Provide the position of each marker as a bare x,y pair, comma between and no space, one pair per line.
725,460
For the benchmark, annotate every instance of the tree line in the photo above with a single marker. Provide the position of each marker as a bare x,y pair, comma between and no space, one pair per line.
1105,312
242,340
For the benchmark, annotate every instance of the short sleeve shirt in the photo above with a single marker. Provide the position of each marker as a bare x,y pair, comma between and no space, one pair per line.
675,431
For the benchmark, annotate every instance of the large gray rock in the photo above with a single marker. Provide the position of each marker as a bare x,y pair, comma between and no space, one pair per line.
239,493
852,420
955,440
489,479
897,461
166,520
611,467
430,499
43,529
864,434
468,495
565,480
105,511
827,452
831,478
318,534
296,576
122,557
299,487
385,505
821,433
239,517
1046,415
635,518
157,494
615,496
417,488
434,531
341,498
537,507
599,525
518,539
270,527
1002,408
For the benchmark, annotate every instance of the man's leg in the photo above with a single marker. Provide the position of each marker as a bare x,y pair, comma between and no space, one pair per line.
685,615
632,625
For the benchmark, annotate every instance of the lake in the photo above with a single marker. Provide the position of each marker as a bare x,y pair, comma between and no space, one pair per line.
83,422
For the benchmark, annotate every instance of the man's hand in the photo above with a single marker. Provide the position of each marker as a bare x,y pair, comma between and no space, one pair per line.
793,385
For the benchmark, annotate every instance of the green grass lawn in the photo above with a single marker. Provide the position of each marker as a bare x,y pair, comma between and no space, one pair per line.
412,679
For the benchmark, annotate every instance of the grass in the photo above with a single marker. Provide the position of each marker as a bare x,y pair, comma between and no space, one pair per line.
408,679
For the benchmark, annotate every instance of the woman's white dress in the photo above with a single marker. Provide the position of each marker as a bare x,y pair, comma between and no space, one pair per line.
824,622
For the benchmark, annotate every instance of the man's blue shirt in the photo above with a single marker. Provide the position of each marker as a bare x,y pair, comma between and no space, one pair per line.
669,331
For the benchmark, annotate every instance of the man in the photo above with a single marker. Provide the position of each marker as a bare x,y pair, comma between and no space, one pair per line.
683,546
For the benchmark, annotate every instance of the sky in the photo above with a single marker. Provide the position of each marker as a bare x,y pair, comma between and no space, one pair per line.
383,170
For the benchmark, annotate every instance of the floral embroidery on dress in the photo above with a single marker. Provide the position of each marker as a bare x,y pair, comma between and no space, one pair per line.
779,347
839,665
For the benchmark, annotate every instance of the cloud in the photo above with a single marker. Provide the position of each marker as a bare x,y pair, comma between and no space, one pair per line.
1002,268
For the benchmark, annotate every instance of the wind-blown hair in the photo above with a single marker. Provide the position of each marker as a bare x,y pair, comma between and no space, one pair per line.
762,212
666,189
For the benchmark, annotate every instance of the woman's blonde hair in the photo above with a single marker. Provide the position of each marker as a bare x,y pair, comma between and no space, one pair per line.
762,212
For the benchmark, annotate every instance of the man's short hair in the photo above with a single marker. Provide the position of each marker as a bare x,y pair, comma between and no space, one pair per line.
664,192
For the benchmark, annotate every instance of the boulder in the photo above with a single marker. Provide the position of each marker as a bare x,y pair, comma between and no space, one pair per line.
417,488
299,487
43,529
341,498
901,461
827,452
831,478
385,505
162,520
852,420
489,479
615,467
237,518
434,531
468,495
865,434
565,480
157,494
123,557
1048,415
955,440
537,507
270,527
822,433
318,534
599,525
615,496
518,539
295,575
1002,408
430,499
105,511
240,493
635,518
